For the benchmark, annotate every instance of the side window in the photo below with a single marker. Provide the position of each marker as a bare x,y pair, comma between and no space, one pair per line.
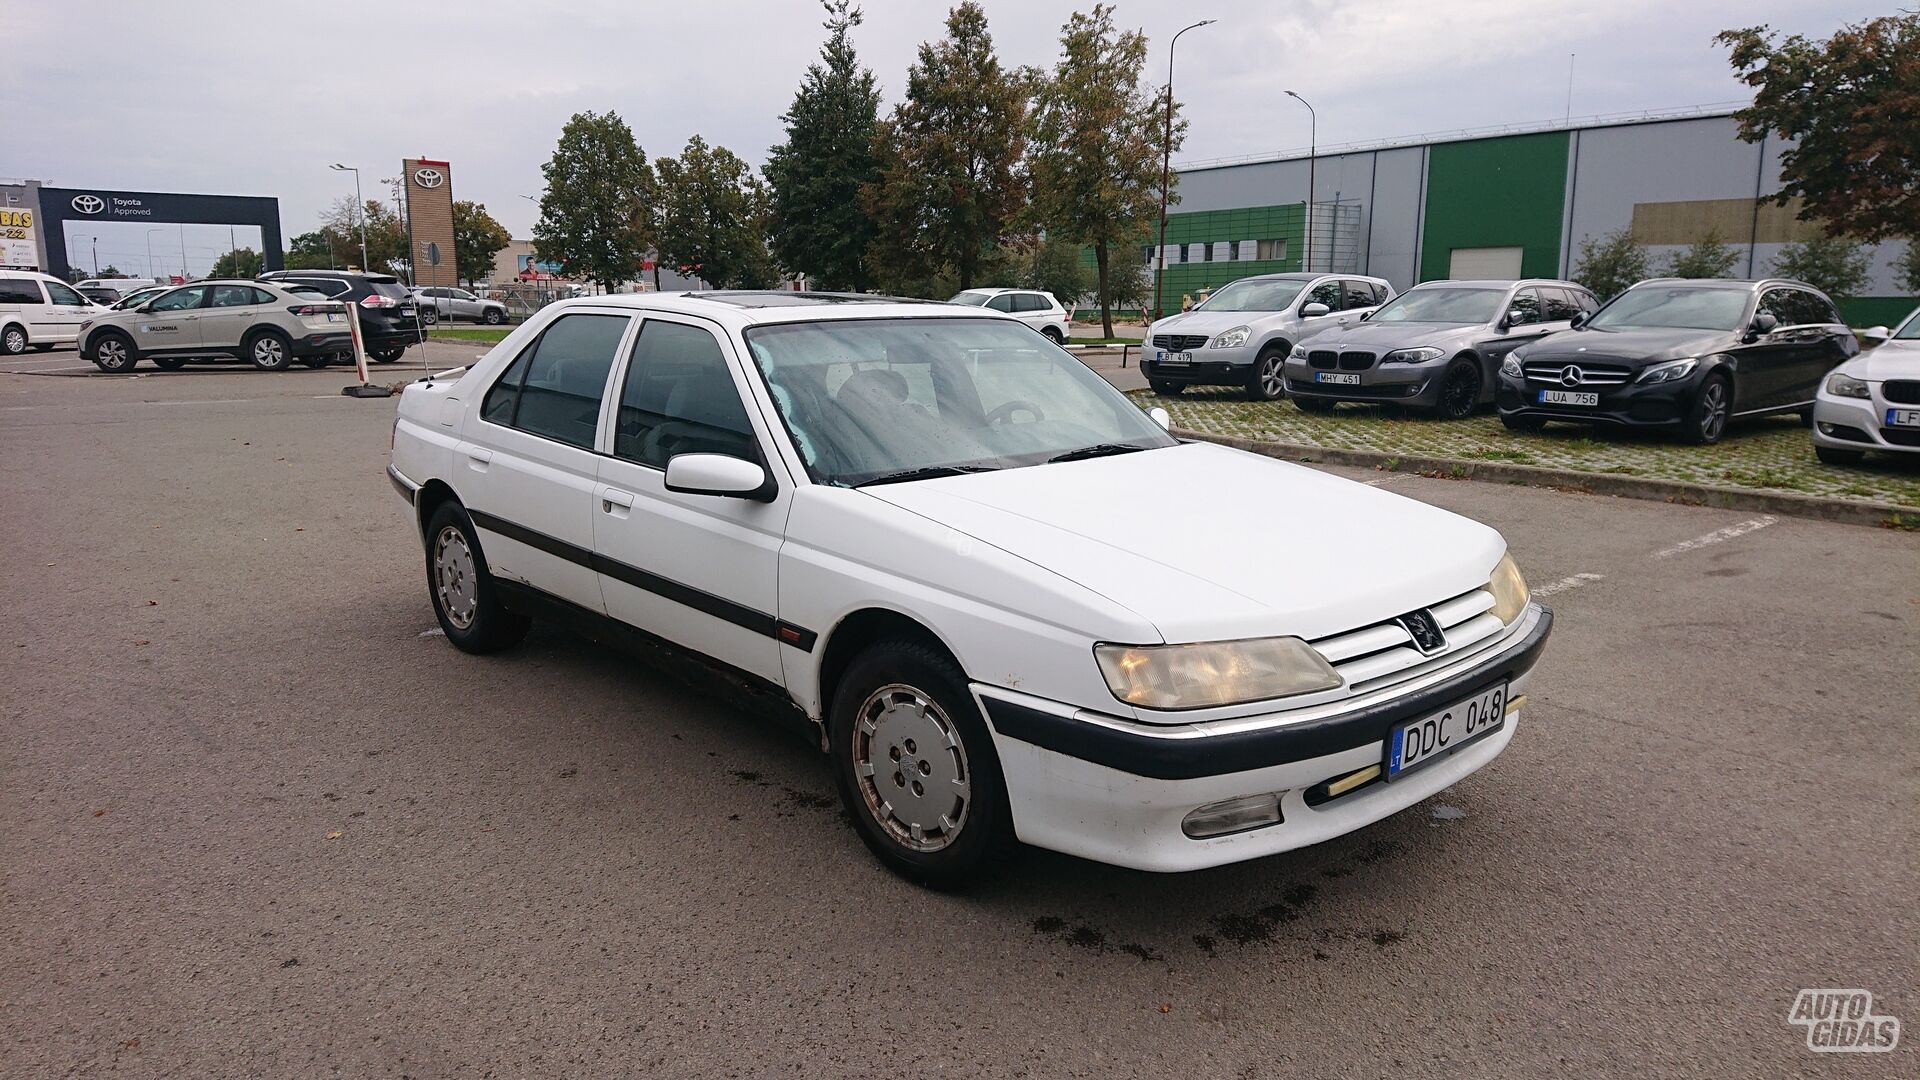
233,296
679,398
1526,306
330,286
1779,304
1328,293
60,294
1359,294
1558,305
1033,301
262,296
1587,301
1002,302
554,388
1815,310
180,299
19,291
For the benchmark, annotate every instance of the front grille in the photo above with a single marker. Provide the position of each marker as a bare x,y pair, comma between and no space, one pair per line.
1375,655
1590,374
1901,436
1179,342
1323,359
1356,361
1903,391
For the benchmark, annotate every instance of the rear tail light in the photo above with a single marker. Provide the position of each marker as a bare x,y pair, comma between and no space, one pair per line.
315,309
378,301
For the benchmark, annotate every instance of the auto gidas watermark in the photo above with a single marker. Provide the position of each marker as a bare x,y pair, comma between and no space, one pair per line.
1843,1022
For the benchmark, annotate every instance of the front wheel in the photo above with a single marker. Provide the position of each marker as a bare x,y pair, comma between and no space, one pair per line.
465,601
916,767
1267,383
1166,387
1829,455
115,354
1707,419
1459,391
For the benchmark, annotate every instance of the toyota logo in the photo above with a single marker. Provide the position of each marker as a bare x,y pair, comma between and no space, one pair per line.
429,178
89,204
1571,375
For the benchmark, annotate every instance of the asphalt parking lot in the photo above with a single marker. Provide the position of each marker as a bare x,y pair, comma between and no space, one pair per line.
257,819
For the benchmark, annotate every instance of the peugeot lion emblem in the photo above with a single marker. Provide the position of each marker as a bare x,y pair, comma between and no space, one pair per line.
1571,375
1424,631
429,178
89,204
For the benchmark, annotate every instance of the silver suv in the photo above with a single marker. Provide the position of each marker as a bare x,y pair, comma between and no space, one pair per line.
438,302
1242,334
258,321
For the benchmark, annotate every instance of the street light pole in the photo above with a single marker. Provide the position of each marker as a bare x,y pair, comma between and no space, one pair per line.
1313,141
150,273
359,210
1166,169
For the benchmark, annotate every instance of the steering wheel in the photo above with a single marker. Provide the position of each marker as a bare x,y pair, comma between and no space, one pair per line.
1003,413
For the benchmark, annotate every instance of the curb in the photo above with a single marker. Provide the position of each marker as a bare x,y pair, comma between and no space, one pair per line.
1844,511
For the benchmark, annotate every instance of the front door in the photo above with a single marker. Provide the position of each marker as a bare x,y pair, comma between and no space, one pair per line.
67,310
171,323
525,468
698,570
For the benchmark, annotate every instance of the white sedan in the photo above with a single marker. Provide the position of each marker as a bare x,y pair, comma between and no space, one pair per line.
1013,606
1872,402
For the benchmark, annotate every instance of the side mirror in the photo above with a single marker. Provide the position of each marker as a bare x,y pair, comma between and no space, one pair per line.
1579,320
1764,323
1314,310
719,474
1875,334
1160,417
1367,314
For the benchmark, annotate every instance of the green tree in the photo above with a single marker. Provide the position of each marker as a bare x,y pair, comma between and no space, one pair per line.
1847,105
386,235
314,250
1052,265
818,227
950,183
1908,267
1610,263
1707,257
1835,265
1097,139
713,218
240,263
477,238
596,216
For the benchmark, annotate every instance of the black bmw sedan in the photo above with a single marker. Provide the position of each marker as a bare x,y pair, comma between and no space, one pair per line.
1685,355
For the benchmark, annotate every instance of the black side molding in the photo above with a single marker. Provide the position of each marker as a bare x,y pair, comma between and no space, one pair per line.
1188,759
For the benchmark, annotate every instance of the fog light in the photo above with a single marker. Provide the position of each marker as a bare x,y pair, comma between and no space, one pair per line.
1825,428
1233,815
1416,389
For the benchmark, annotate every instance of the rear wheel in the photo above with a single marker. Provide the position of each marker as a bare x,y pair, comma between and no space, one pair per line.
317,360
1166,387
916,767
270,350
1829,455
114,353
1459,391
493,316
1054,335
13,341
429,316
1267,383
387,356
1707,419
465,601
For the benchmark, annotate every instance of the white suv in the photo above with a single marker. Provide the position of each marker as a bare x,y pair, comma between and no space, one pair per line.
1031,306
922,527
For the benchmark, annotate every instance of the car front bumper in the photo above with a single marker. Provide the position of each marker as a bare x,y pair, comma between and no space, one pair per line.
1417,384
1209,367
1630,404
1858,423
1117,791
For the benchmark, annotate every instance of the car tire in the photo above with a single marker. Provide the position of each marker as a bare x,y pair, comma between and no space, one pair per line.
493,316
169,363
1527,424
386,356
1166,387
429,316
1267,381
903,726
115,353
1053,334
1459,393
317,360
1318,406
13,340
1830,455
1707,417
465,601
269,350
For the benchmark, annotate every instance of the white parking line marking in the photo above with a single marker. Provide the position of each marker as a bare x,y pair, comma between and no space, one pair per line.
435,632
208,401
1567,583
1717,536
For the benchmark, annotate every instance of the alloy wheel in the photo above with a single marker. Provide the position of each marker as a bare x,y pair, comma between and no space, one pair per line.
268,352
1713,412
112,354
1460,392
1270,377
15,342
911,768
455,580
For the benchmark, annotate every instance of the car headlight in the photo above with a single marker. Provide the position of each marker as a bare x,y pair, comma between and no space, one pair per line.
1231,339
1672,371
1213,672
1509,590
1846,386
1510,367
1412,356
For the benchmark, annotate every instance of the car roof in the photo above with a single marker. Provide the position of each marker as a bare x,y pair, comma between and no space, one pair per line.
1745,284
745,308
996,290
1496,283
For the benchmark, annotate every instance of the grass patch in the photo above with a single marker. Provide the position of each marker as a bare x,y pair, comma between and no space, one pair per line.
1518,457
487,334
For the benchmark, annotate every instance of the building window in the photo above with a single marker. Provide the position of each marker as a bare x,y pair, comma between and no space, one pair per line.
1271,250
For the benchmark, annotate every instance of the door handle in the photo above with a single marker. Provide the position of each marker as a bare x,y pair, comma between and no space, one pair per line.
478,459
616,502
189,318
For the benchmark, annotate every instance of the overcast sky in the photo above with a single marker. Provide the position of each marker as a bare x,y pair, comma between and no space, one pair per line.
216,97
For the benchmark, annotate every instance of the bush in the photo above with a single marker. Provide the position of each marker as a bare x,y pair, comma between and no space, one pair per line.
1835,265
1707,257
1609,264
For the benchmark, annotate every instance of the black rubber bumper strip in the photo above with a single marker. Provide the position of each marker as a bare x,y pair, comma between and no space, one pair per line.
1188,759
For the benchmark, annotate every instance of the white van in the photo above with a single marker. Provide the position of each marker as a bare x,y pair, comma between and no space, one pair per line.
39,311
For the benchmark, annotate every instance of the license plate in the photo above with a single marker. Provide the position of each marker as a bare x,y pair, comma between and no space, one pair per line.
1344,378
1903,417
1176,358
334,316
1568,397
1421,741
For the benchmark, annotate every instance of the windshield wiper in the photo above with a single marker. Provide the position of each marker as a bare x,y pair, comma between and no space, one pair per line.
1097,450
925,472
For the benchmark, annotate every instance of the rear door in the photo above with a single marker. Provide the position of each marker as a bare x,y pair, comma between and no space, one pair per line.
697,570
170,323
231,312
66,309
526,467
1822,338
1769,365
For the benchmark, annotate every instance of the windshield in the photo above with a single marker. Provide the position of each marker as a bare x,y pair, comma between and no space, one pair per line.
1675,307
976,299
1442,306
1910,329
867,400
1252,294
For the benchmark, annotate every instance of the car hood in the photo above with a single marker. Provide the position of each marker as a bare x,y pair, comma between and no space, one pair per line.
1209,543
1386,337
1212,322
1634,348
1891,360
